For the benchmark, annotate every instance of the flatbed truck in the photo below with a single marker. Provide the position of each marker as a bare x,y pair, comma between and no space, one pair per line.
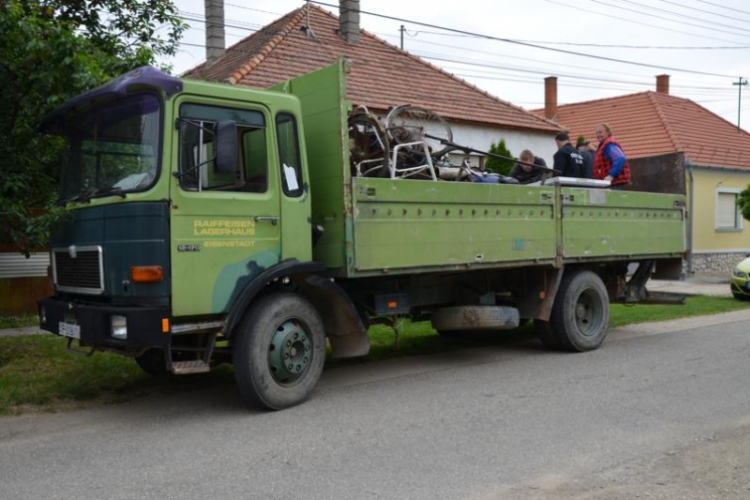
211,223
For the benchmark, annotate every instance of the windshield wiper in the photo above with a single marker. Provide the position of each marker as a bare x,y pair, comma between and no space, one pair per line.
86,196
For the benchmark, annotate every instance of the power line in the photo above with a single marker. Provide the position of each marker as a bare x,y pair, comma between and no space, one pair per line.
496,55
703,10
671,12
509,68
663,18
601,45
724,7
583,79
641,23
515,42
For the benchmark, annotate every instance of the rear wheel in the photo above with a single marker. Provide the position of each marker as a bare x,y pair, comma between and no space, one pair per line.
279,351
546,335
580,314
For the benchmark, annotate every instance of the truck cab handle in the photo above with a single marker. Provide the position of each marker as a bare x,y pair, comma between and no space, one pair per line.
273,219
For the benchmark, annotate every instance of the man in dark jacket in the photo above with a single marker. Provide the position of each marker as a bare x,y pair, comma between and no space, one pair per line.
582,145
567,159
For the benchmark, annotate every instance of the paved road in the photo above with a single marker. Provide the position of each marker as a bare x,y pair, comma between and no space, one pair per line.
512,421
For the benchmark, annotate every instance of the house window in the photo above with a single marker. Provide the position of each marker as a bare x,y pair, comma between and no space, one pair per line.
728,217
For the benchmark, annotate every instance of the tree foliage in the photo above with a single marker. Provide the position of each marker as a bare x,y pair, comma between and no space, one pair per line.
498,165
50,51
743,202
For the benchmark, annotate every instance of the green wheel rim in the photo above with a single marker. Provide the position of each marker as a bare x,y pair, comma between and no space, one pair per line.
588,313
290,352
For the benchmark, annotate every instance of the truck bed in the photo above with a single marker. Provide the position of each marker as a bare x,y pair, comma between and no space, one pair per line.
376,226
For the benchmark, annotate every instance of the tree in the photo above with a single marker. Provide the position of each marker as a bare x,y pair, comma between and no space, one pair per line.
498,165
743,202
51,51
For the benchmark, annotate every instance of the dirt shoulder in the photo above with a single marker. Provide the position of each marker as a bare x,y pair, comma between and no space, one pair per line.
717,467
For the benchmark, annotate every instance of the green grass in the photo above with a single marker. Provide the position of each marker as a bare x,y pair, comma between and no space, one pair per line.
695,306
19,321
37,373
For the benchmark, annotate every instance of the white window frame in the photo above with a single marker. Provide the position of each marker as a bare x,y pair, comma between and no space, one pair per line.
738,215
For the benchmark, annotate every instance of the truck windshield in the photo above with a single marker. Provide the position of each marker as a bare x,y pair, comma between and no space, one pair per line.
113,149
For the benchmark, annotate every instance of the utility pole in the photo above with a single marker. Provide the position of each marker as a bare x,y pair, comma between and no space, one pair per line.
740,83
402,29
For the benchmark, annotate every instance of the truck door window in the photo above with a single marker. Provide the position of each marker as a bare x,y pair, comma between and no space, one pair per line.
196,163
289,157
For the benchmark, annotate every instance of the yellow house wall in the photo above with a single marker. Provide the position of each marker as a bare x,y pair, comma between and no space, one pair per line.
707,238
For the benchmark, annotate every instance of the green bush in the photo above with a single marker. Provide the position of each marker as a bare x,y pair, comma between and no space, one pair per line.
498,165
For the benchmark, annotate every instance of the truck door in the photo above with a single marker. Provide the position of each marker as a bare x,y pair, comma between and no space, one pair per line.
225,228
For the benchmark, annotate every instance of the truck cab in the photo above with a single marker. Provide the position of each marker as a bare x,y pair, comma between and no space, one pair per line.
177,191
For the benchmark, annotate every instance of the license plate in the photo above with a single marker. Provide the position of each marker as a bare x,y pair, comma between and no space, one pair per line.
68,330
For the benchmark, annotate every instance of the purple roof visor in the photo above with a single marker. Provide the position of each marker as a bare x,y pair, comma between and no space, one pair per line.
143,78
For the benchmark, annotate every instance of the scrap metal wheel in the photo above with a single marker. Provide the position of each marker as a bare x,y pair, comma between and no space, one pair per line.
406,124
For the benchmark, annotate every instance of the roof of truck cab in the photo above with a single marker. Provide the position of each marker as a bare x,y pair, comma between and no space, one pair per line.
226,90
382,76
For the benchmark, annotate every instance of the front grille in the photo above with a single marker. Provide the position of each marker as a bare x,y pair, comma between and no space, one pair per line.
82,273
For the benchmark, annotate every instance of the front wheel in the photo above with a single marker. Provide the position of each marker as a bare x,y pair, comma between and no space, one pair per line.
279,351
153,363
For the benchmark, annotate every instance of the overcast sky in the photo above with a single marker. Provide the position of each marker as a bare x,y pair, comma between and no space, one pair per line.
507,47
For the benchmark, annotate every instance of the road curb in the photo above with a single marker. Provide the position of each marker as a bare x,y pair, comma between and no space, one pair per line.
20,332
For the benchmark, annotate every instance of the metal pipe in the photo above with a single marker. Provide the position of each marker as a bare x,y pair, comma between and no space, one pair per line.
691,217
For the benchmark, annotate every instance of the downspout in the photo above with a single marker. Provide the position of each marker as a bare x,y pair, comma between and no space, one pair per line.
690,269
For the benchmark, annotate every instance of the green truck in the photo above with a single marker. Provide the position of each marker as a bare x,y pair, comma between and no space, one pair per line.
210,223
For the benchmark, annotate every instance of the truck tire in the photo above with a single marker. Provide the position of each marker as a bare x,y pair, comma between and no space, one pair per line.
580,314
471,318
278,351
546,335
153,363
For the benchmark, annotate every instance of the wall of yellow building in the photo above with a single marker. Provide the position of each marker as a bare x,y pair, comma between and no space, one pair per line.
706,237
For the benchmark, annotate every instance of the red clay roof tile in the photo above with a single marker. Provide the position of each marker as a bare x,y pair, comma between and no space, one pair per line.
653,123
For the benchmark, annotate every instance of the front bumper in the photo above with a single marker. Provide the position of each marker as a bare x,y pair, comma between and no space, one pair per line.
740,286
145,325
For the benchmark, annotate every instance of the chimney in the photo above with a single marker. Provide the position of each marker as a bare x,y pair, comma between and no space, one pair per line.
662,84
550,97
348,20
214,11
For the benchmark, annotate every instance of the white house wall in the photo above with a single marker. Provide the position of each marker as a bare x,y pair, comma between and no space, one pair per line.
542,144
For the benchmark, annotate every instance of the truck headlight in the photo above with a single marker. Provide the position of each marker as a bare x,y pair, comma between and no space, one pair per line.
119,327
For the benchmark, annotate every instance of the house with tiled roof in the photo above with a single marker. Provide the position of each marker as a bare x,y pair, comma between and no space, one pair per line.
381,77
675,145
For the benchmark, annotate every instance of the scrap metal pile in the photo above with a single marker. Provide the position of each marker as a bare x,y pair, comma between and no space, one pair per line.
411,142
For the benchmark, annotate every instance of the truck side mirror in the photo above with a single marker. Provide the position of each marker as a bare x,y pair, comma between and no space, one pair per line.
225,135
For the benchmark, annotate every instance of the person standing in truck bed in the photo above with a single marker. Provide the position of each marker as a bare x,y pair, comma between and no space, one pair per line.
610,162
567,159
583,147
